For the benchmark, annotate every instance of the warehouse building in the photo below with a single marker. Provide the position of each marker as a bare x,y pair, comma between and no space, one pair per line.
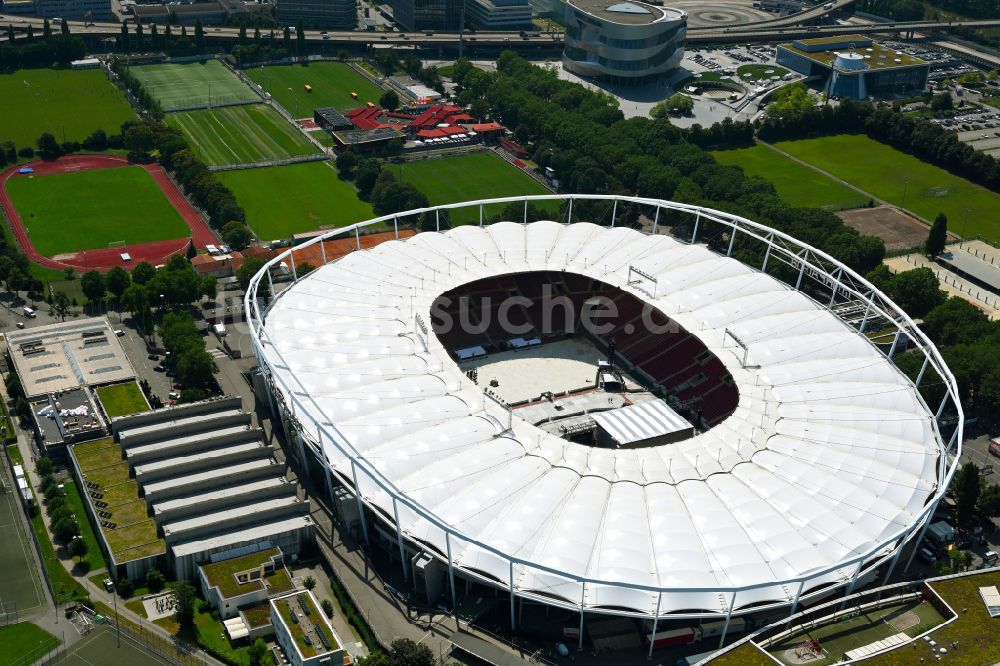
623,42
184,483
854,66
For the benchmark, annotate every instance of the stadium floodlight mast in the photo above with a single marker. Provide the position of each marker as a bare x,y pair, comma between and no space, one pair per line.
851,295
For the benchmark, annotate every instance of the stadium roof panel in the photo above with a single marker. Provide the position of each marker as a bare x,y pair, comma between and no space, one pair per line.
829,453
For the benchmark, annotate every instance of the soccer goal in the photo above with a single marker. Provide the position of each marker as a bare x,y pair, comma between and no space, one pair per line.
116,244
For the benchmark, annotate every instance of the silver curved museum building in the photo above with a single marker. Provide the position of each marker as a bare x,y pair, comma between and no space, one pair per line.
622,42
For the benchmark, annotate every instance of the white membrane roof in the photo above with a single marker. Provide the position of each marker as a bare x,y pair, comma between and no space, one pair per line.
828,454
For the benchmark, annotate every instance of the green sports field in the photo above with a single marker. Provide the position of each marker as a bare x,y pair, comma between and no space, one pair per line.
797,185
241,134
24,643
86,210
67,103
903,180
332,84
281,201
480,175
101,647
21,589
193,84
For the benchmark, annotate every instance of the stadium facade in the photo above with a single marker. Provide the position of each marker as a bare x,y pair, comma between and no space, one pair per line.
622,42
814,460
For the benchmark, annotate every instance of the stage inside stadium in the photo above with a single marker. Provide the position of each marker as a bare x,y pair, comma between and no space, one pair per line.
526,373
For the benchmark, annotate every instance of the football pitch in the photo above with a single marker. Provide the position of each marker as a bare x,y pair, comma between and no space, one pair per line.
101,646
480,175
20,586
86,210
903,180
241,134
284,200
332,84
70,104
188,85
798,186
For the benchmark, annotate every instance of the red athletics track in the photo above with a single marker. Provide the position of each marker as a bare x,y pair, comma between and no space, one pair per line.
106,258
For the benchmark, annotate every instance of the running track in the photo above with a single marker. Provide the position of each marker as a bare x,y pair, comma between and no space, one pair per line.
105,259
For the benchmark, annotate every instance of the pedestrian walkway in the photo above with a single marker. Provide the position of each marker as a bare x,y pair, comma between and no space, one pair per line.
952,284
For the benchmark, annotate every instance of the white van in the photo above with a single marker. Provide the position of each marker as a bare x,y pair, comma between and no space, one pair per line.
29,312
990,558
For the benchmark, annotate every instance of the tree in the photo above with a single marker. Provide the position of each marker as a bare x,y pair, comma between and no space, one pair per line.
305,268
310,582
942,101
117,281
327,607
60,305
155,580
209,287
185,599
257,652
46,29
199,36
375,659
65,529
790,100
966,493
677,104
48,146
286,39
937,236
389,100
92,284
246,272
405,652
300,39
125,588
45,466
989,501
236,234
143,272
917,291
78,548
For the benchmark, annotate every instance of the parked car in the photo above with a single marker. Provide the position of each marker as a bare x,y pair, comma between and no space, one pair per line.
153,357
173,395
177,386
158,368
171,372
20,324
927,556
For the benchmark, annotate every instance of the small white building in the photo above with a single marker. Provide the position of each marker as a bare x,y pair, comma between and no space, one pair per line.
303,631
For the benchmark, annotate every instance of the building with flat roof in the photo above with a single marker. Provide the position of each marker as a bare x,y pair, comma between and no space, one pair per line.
854,66
184,483
68,355
499,14
427,14
244,577
303,632
622,42
341,14
96,10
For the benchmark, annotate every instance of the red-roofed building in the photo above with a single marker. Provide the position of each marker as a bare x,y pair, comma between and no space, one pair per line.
366,117
440,132
439,115
487,130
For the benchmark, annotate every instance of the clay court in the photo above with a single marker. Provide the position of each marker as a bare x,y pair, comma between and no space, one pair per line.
897,229
103,259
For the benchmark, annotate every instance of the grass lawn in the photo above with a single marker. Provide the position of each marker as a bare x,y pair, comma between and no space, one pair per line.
21,639
849,633
903,180
67,103
281,201
94,559
759,72
480,175
796,185
64,586
332,84
121,399
187,85
86,210
241,134
747,654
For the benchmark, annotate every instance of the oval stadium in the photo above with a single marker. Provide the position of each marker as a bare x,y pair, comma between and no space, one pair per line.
690,417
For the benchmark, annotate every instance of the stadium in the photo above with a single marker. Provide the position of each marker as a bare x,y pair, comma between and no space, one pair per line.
728,443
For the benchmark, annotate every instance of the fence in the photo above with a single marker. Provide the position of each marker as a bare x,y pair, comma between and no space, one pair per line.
213,105
268,163
172,650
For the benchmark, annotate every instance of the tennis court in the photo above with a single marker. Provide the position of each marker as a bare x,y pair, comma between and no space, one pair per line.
101,647
194,84
241,134
20,586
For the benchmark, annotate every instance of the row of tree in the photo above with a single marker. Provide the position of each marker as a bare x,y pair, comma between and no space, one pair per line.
924,139
135,87
41,51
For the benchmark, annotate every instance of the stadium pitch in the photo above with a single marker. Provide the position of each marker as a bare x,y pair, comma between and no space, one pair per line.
796,185
903,180
241,134
480,175
70,104
192,85
103,205
284,200
332,84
